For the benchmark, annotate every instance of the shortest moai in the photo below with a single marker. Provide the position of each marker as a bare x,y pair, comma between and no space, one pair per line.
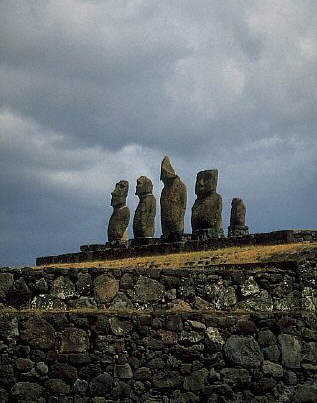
173,203
119,221
206,216
143,222
237,226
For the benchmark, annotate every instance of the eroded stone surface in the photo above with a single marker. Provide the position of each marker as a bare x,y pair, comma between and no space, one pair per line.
63,288
27,391
235,376
57,386
237,219
192,337
309,299
123,371
258,302
148,290
41,285
120,327
214,336
24,364
6,374
143,222
121,302
19,295
266,338
4,395
244,351
305,394
197,325
143,373
272,353
64,371
8,326
207,209
106,288
47,302
126,281
101,384
83,283
74,341
80,386
6,282
226,297
173,202
42,368
250,287
196,381
273,369
38,333
167,380
291,350
119,220
168,337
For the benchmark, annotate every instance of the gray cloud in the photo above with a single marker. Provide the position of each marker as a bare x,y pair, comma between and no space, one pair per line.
93,91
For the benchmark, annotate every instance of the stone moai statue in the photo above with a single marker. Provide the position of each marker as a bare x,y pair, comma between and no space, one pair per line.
119,221
143,222
237,226
173,203
206,217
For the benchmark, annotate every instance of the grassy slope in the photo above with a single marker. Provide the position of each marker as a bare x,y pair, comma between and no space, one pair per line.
246,254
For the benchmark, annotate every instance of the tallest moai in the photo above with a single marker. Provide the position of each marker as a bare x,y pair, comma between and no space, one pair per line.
173,202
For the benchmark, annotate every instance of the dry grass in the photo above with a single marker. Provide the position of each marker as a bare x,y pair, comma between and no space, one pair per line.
234,255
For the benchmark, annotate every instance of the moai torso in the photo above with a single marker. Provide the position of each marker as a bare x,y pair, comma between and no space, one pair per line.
119,220
206,213
143,222
207,209
118,225
173,201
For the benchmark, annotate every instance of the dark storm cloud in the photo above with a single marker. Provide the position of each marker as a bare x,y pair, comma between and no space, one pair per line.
93,92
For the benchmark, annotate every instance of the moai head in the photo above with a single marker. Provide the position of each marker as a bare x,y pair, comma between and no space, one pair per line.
120,194
144,186
206,183
167,171
237,212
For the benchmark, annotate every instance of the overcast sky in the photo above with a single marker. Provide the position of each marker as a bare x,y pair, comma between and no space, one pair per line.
92,92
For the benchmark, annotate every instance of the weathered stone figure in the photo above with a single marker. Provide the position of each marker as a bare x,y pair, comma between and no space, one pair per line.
237,219
143,222
119,221
173,202
206,217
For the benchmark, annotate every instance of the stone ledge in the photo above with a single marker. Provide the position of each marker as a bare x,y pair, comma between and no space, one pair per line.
160,247
265,287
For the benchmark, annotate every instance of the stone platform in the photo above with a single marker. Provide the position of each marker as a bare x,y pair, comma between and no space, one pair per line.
158,246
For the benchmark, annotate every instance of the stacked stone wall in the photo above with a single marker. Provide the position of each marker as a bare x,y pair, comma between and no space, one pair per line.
280,286
228,333
187,357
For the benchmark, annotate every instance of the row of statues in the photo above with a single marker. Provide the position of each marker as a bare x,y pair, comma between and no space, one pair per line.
206,219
